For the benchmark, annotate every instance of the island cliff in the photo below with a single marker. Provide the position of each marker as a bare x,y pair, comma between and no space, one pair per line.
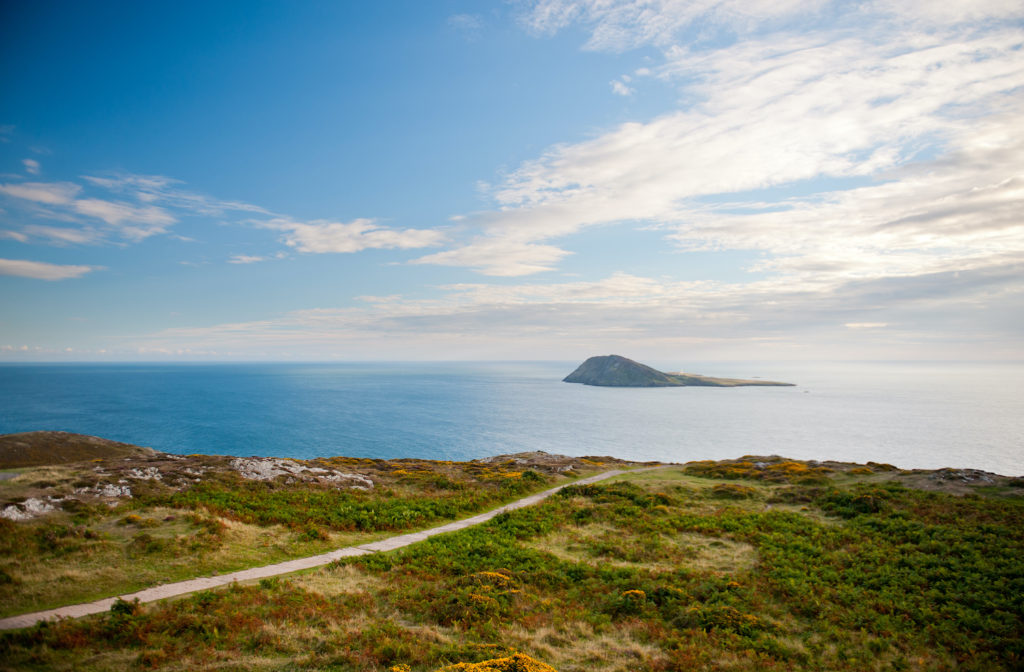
617,371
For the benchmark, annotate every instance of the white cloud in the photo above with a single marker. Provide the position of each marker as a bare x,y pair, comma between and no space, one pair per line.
61,235
244,259
166,191
31,166
499,256
133,222
957,213
159,202
617,26
620,88
323,236
14,235
49,193
626,24
41,270
635,312
786,109
774,114
951,11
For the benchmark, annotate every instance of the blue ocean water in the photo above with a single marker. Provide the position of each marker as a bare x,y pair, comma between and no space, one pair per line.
913,415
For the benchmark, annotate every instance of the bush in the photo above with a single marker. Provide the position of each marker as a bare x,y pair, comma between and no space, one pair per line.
720,617
628,603
124,608
732,491
847,504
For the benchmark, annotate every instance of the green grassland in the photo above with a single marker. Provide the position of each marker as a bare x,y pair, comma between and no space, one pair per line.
759,564
97,547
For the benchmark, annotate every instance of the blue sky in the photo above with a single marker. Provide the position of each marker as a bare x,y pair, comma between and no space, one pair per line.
551,179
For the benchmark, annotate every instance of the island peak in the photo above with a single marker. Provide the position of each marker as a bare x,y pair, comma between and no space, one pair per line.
619,371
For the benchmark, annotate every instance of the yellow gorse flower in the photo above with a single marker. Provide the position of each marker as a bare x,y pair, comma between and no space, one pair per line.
514,663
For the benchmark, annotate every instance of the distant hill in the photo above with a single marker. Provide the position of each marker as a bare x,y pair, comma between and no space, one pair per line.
33,449
617,371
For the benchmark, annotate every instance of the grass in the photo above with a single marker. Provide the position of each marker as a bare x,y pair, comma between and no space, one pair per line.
656,571
31,449
608,546
54,564
225,523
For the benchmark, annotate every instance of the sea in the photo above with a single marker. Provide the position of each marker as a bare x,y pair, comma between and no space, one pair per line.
912,415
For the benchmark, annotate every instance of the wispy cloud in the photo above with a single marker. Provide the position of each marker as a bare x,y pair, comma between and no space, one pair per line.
618,25
468,25
134,222
622,25
61,235
130,221
49,193
32,166
158,203
244,259
620,87
916,108
40,270
324,236
639,313
499,256
168,192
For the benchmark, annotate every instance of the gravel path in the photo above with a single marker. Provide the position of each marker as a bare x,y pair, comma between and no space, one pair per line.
192,585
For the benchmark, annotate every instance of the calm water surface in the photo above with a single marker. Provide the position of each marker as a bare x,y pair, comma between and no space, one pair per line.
914,416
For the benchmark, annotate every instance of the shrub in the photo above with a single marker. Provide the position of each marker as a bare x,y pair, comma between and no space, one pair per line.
144,543
732,491
514,663
124,608
847,504
709,617
628,603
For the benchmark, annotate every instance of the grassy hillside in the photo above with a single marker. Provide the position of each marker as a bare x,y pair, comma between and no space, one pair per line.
114,526
755,564
32,449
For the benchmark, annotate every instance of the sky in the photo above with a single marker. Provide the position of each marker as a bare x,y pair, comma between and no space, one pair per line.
541,180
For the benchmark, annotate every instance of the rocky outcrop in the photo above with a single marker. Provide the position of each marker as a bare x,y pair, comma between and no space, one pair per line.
269,468
30,508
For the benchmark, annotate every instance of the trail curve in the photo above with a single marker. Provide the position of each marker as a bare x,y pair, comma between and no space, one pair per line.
289,566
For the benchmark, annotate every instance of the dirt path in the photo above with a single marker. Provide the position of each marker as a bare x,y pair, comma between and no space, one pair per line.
192,585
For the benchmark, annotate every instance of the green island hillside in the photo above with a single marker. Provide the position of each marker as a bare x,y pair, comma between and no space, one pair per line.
758,563
618,371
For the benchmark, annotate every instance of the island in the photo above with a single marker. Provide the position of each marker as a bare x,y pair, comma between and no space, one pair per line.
618,371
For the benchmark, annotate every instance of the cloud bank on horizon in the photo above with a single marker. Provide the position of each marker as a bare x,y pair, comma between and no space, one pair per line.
770,179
